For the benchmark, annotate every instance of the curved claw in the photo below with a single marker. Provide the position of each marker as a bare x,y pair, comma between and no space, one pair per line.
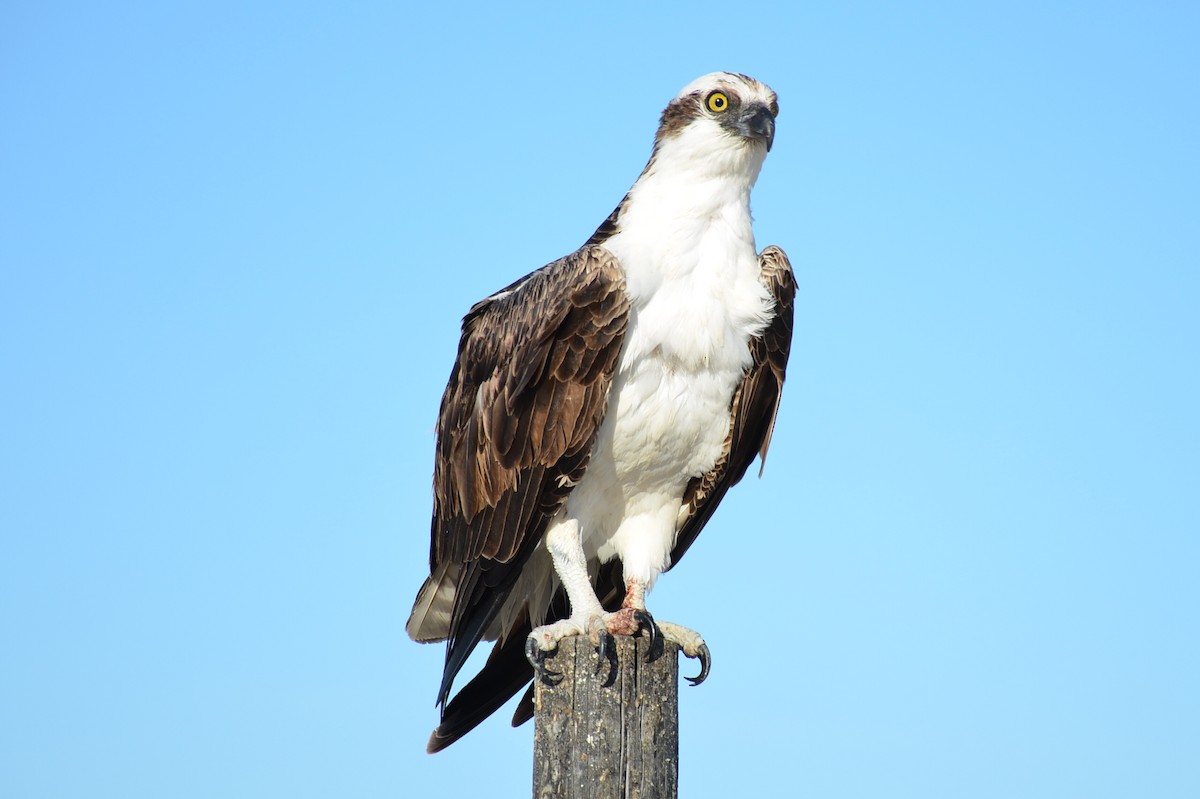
537,659
604,651
705,663
646,622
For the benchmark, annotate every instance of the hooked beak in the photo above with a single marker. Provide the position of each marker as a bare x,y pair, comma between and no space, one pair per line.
756,122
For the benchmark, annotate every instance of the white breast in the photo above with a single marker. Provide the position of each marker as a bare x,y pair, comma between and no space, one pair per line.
696,301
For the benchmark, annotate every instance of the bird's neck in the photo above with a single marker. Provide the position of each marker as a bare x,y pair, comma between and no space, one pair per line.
685,207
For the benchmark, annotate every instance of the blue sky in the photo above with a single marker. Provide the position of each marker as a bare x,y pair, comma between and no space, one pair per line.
236,241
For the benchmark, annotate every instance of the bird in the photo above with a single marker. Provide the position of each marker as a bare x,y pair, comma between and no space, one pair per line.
600,407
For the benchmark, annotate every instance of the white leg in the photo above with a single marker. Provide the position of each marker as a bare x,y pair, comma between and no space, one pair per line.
588,617
565,545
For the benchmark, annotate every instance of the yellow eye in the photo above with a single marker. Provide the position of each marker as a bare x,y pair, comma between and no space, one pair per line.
717,102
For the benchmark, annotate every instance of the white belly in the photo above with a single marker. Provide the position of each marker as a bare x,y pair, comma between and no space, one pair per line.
668,416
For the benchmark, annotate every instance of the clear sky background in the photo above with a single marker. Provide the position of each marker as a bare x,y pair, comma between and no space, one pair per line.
236,241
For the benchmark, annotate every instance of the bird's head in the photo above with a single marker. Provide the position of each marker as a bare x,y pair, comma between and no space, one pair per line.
720,112
711,143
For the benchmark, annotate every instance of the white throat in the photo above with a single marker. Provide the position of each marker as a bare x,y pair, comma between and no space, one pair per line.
689,209
685,241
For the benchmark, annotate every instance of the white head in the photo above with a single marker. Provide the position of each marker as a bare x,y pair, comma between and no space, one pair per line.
710,145
720,115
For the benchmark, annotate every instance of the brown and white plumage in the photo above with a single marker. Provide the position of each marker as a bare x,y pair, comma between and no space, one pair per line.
600,407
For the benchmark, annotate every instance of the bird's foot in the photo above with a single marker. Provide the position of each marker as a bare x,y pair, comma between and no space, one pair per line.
599,629
626,621
691,644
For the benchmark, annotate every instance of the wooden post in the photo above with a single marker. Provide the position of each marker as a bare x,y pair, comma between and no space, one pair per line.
612,734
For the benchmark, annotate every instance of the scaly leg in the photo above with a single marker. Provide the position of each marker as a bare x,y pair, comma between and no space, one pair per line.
588,617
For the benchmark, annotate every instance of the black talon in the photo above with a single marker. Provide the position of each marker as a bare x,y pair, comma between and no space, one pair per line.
537,659
604,651
646,622
705,662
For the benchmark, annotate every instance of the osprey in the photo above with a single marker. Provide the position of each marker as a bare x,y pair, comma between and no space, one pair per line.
601,406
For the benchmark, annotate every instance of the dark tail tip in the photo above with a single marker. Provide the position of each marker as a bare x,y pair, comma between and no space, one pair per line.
438,742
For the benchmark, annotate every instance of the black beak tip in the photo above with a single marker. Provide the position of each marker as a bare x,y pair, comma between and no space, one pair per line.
767,133
761,125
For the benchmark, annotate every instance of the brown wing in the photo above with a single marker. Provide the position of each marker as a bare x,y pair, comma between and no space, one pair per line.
517,421
755,405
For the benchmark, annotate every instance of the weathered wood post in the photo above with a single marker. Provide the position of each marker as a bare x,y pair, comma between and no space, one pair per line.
612,734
